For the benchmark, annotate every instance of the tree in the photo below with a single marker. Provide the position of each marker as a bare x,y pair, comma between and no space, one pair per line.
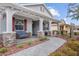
73,11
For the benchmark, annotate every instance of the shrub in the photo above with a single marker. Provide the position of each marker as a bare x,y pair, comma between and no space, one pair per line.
57,54
58,32
42,38
77,38
3,50
29,42
72,39
68,51
76,33
74,45
20,46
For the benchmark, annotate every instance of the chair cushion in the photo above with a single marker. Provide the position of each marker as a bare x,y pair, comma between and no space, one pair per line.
22,34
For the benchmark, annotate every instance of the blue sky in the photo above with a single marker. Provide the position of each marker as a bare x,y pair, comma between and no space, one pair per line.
59,10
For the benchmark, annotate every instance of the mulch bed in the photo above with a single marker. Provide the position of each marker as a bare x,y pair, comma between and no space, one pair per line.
62,37
61,45
58,48
13,49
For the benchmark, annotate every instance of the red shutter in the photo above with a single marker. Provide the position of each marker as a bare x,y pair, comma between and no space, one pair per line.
13,23
25,25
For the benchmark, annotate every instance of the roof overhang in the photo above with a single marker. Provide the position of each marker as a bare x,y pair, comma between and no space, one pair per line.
24,9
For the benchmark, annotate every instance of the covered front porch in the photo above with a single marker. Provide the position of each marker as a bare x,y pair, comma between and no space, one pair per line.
15,18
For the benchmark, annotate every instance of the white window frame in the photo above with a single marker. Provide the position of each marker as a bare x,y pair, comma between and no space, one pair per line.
19,24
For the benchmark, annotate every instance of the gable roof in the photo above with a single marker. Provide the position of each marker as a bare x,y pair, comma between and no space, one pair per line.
36,4
47,9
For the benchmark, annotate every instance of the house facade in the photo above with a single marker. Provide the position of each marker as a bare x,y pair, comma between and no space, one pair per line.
76,30
65,28
55,27
60,27
34,19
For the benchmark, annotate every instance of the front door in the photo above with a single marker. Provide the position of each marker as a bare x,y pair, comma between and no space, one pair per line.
35,27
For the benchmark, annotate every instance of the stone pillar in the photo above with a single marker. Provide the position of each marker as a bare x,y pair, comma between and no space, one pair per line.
9,37
40,32
1,41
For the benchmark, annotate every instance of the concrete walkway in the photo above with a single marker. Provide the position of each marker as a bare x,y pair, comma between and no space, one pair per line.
42,49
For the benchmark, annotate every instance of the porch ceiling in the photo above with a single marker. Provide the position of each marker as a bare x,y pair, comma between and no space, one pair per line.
26,15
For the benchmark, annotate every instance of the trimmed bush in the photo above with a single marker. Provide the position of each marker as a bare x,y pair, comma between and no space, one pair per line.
57,54
19,46
42,38
3,50
29,42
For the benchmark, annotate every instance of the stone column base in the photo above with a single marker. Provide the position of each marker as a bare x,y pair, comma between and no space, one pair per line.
39,34
30,34
49,33
1,41
9,39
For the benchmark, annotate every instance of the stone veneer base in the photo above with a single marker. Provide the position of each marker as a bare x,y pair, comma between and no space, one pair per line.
9,39
40,34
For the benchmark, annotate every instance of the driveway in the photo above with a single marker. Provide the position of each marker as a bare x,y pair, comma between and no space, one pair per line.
42,49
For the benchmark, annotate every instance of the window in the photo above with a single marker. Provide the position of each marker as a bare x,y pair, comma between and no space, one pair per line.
53,23
42,9
45,25
77,28
19,24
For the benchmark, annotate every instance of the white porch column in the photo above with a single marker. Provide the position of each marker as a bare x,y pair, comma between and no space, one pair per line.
41,25
50,29
29,27
40,32
0,23
8,35
50,25
9,15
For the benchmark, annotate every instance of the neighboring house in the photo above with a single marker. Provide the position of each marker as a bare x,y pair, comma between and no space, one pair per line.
60,27
76,28
54,27
64,28
34,19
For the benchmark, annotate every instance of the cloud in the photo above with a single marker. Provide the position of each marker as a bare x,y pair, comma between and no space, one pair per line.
54,12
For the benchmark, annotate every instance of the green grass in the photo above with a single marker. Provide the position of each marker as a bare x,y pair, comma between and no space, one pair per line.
19,46
3,50
29,42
